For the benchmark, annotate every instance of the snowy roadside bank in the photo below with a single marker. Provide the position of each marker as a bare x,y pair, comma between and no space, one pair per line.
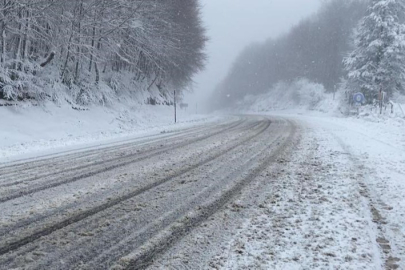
33,131
376,151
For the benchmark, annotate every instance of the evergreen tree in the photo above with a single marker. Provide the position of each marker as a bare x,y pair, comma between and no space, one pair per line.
378,60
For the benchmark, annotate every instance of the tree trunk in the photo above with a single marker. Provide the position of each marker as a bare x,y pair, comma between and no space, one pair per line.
97,73
153,82
26,39
3,33
17,51
3,44
67,58
92,48
48,59
78,51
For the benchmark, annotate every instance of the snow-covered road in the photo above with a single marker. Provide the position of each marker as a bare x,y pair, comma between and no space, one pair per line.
338,202
121,205
250,192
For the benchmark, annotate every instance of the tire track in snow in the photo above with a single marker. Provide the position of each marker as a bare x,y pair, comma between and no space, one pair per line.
113,247
14,245
103,167
390,259
37,165
70,207
60,156
143,256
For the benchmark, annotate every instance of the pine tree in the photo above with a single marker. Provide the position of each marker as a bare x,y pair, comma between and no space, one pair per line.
378,60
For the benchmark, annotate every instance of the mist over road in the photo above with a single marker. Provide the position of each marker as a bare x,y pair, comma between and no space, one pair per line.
122,206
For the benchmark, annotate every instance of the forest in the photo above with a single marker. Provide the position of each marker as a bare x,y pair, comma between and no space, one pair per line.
96,51
331,48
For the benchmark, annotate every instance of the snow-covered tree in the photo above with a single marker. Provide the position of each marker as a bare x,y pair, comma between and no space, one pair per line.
378,60
81,44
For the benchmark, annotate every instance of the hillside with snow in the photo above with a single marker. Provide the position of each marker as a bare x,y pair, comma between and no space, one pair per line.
37,130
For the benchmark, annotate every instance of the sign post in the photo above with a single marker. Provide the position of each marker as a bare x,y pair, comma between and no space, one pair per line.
175,109
334,91
358,100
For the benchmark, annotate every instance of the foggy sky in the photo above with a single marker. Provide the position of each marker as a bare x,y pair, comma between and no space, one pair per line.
234,24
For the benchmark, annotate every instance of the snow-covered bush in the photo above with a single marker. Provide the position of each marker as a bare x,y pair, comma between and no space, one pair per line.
308,94
9,93
299,94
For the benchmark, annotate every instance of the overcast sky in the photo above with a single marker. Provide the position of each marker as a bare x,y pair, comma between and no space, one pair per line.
234,24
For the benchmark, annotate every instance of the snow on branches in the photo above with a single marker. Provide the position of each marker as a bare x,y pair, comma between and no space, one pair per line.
378,60
77,43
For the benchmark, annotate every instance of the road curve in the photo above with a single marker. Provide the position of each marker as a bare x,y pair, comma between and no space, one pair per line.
120,206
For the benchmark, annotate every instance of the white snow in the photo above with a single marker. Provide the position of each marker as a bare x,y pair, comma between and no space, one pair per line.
32,131
313,217
300,94
347,211
339,203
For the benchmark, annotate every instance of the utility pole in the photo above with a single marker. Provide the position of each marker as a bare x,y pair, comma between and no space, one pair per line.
175,109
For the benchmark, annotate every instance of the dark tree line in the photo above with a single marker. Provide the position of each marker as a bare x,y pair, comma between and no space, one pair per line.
313,49
81,45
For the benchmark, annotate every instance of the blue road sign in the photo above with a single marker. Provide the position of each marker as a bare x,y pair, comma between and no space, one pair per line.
359,98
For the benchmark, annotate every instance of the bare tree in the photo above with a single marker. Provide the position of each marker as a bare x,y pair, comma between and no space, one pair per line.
155,43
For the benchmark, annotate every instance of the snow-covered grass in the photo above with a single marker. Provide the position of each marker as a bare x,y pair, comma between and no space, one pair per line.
29,130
